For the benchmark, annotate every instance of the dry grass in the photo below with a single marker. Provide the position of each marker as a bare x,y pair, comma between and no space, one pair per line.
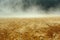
30,29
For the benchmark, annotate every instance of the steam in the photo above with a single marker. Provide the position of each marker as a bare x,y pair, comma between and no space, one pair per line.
28,8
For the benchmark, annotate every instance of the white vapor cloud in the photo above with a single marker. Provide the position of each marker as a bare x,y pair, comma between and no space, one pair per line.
13,8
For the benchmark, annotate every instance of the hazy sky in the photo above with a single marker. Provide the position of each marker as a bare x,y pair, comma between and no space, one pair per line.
29,8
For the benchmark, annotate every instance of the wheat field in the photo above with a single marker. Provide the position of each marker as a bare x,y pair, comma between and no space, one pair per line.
30,28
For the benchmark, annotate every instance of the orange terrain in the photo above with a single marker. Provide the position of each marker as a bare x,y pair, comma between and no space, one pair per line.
30,28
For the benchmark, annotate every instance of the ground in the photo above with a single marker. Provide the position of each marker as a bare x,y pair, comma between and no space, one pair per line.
30,28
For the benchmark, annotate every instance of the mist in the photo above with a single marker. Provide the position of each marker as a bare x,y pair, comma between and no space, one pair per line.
29,8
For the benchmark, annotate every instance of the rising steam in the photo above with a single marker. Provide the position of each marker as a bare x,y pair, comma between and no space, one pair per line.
29,8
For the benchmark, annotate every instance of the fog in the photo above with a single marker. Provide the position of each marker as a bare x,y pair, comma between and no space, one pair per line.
29,8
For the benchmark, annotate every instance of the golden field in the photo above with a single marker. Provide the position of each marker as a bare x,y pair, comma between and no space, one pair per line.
30,28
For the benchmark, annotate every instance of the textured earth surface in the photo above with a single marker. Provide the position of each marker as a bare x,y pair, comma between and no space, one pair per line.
30,28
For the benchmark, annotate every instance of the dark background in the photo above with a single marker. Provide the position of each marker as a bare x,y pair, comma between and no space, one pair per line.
15,5
45,4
